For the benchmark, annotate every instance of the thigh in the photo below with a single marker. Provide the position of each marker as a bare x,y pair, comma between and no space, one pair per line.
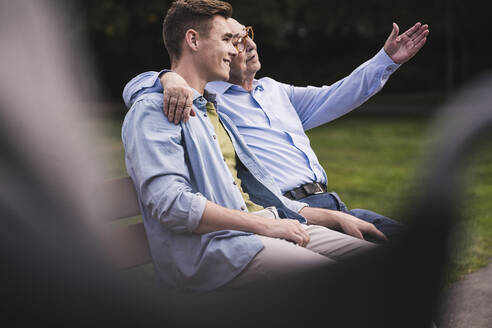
278,259
334,244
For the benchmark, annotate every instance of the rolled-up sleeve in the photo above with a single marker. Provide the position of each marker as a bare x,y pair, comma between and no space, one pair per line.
293,205
318,105
156,161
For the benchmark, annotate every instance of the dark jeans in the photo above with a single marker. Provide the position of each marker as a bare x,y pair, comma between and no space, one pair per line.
332,201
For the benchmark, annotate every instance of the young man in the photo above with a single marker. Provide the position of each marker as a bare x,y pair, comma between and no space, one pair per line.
192,179
273,116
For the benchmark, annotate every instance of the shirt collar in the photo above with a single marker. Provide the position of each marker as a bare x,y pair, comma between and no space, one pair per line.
200,100
221,87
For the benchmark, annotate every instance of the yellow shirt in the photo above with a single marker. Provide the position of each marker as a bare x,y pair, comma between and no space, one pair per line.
229,154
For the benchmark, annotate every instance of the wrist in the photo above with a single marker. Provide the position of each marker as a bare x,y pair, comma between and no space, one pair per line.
260,225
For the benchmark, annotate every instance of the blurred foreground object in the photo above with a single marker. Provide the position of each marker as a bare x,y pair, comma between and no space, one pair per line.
55,265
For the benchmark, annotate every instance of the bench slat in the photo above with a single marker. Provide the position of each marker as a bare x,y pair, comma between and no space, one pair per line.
129,245
117,199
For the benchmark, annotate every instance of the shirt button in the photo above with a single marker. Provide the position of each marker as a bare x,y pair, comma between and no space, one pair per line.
205,115
223,159
214,136
243,208
234,182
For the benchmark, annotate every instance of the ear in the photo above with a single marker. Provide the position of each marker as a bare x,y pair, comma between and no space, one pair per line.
191,39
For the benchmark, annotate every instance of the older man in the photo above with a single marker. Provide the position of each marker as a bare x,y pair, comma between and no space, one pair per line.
272,116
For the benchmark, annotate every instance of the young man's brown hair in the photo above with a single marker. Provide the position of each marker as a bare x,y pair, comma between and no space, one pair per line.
190,14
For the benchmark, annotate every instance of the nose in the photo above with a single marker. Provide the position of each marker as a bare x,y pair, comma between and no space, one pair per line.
232,50
250,45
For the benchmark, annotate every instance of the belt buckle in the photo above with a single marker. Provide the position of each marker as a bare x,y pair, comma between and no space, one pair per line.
318,189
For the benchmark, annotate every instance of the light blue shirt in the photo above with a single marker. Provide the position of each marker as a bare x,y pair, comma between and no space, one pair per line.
175,169
272,117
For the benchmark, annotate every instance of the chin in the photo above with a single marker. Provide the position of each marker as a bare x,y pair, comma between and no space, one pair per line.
254,67
223,77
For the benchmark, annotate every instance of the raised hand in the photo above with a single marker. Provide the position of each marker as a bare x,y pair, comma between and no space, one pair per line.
404,46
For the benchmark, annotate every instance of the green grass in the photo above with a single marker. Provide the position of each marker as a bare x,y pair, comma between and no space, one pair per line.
371,163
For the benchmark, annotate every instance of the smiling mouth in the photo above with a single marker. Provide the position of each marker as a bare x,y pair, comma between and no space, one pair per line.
251,58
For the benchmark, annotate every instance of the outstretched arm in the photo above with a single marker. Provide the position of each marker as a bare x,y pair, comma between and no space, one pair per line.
316,106
406,45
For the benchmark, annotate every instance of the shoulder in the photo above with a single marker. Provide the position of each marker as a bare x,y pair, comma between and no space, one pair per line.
148,100
147,113
270,83
267,80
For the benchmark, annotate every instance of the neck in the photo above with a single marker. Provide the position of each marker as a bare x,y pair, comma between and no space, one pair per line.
248,84
186,69
245,82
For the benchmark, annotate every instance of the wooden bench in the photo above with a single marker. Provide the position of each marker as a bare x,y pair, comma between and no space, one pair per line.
117,204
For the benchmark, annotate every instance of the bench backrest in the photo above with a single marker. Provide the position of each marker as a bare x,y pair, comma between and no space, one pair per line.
128,240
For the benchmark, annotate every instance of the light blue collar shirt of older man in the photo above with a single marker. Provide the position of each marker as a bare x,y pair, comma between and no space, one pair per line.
272,117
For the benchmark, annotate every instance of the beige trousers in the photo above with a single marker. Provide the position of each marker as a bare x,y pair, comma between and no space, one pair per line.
280,258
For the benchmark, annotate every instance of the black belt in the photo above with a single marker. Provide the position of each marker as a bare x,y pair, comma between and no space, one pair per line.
306,190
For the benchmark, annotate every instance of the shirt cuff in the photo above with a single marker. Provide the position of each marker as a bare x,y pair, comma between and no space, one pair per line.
196,212
295,205
382,58
385,63
161,73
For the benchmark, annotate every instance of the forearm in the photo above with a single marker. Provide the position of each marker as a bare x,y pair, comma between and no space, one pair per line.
216,217
317,106
320,216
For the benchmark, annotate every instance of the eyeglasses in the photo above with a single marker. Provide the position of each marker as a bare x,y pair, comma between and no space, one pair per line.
240,43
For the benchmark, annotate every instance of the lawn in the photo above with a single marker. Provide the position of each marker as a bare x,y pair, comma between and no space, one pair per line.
371,162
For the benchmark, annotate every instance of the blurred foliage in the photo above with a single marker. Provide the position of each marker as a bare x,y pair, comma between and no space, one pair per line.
303,41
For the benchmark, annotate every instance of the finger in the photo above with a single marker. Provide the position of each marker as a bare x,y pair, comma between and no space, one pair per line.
419,38
172,108
353,231
394,32
295,238
302,239
189,105
375,232
420,44
357,234
305,237
412,30
178,114
421,31
187,109
181,106
300,231
166,103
